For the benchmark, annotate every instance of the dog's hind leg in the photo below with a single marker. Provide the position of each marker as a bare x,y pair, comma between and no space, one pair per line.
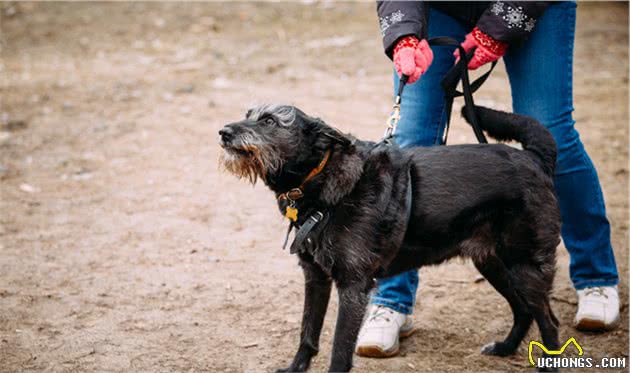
533,283
495,271
548,325
317,293
353,300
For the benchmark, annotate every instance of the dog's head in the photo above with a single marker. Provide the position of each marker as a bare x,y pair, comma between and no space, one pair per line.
276,139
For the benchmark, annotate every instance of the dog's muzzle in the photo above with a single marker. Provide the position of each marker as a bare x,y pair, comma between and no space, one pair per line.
230,142
227,135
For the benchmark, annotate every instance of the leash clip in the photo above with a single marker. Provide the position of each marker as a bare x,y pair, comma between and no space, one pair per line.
392,121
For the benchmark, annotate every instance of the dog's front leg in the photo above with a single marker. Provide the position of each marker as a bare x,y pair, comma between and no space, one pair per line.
317,294
352,303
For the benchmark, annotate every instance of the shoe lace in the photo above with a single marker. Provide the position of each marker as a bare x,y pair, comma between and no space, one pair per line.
381,313
596,290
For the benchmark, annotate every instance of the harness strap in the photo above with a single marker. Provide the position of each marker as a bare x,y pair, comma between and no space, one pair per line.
286,238
409,197
305,229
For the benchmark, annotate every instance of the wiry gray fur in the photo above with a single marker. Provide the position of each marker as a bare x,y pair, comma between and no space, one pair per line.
283,113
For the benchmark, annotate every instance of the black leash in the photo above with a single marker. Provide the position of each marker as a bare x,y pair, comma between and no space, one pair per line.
457,73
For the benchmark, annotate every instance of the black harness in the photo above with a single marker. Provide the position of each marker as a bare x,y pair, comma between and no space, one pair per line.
308,230
302,239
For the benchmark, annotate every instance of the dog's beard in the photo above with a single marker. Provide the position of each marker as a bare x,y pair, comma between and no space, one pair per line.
250,160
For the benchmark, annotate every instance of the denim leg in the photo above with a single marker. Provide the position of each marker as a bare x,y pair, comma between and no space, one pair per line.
541,77
421,123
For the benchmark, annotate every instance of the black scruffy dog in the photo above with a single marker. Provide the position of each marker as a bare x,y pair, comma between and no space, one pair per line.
390,210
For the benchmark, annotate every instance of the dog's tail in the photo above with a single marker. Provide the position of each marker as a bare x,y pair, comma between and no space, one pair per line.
535,138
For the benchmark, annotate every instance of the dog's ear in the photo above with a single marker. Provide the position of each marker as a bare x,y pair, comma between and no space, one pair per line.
325,134
343,171
336,136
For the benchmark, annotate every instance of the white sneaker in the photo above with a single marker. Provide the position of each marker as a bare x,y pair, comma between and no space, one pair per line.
598,308
381,330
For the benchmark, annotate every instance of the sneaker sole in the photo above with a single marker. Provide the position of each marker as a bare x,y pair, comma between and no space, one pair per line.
377,352
590,325
407,333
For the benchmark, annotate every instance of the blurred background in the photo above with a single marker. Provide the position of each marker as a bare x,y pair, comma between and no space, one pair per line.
123,247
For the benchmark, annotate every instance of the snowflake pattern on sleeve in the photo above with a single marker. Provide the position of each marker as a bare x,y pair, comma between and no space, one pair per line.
387,21
497,8
529,24
514,17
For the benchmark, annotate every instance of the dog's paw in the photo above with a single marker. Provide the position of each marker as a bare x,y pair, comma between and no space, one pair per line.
497,349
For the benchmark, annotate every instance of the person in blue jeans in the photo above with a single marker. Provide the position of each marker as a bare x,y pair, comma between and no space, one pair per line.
535,41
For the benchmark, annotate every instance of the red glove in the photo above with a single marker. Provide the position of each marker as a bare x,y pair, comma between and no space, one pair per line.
412,57
488,49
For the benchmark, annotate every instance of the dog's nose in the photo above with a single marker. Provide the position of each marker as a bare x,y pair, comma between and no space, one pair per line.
226,133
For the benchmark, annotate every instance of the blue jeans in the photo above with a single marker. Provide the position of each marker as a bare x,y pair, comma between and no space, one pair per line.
540,73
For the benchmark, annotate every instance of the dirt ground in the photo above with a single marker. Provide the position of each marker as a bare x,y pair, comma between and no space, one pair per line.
125,249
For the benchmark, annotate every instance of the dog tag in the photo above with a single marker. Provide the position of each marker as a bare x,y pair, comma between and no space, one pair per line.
291,213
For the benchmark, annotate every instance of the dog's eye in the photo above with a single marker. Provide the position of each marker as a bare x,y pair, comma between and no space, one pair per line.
270,121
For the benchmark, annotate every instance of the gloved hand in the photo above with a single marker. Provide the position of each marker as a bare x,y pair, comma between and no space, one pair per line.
488,49
412,57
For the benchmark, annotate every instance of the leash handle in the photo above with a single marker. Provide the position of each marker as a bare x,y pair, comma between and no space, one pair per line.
449,83
458,73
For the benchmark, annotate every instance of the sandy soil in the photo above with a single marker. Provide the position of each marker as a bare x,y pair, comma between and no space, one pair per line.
124,249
